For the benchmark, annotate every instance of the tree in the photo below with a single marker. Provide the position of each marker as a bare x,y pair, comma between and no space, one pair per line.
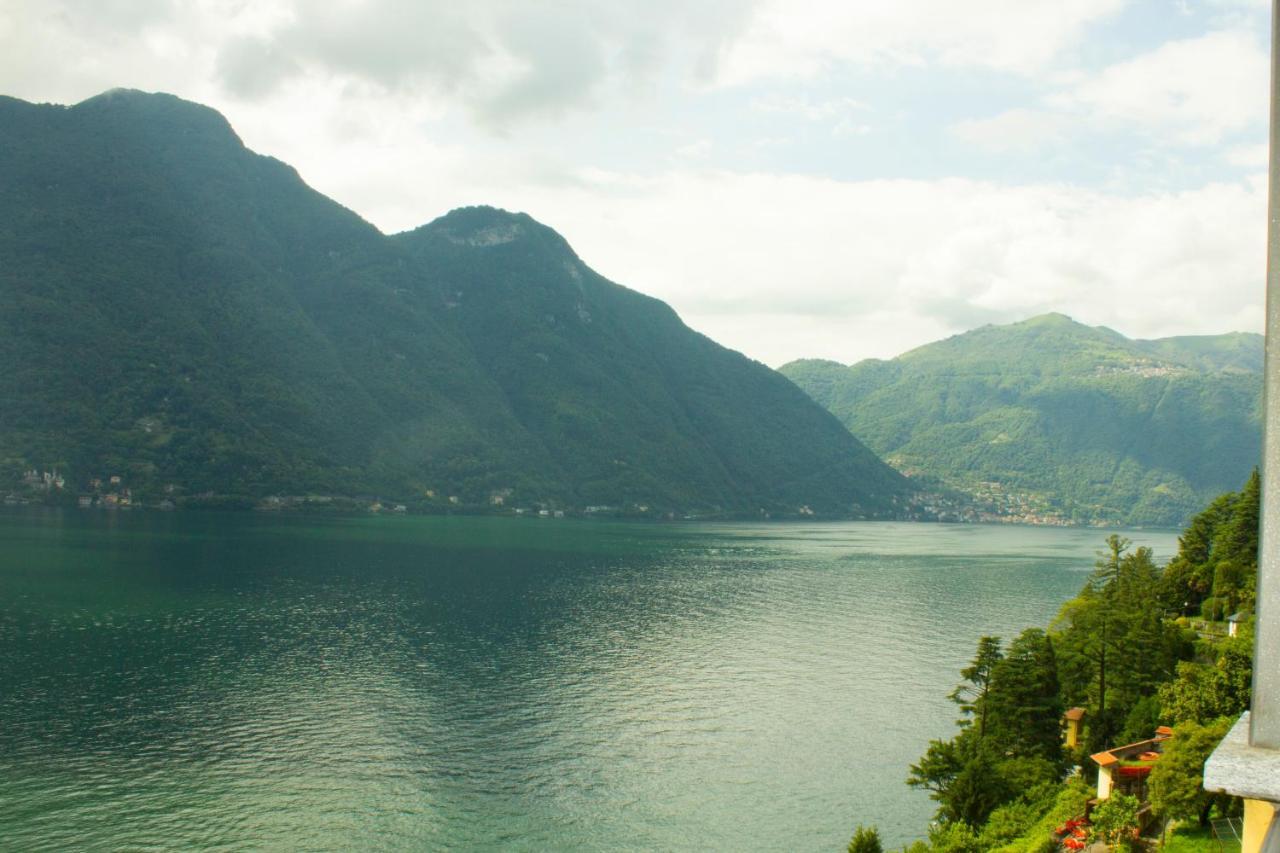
963,776
1113,647
1115,821
1217,555
866,839
1203,692
971,694
1237,537
939,766
1142,719
1106,569
1176,783
1188,578
1023,703
977,790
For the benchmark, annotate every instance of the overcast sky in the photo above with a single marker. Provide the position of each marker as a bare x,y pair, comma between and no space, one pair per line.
839,179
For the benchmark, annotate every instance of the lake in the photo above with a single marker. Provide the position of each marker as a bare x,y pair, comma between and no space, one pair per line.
191,680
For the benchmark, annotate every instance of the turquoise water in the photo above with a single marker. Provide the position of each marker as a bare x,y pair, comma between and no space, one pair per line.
247,682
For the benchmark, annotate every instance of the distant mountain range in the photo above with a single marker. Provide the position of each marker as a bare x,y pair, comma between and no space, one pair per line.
1049,419
190,317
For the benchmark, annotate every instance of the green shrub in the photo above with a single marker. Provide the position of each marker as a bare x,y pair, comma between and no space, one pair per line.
866,839
954,837
1008,822
1214,609
1115,821
1060,805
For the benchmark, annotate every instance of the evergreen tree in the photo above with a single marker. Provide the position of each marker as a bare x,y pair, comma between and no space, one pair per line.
1217,562
1106,569
1188,579
866,839
977,790
971,694
1238,538
1114,646
1024,704
941,764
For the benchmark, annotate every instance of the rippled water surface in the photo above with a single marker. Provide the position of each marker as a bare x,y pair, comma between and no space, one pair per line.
236,682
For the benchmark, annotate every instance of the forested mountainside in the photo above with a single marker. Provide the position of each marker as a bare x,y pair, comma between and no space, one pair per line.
1063,420
190,317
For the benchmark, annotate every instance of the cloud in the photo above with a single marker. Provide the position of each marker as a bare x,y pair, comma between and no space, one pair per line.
1017,130
1184,94
252,67
698,150
1019,36
808,108
506,62
1249,156
785,266
502,62
377,103
938,256
1199,90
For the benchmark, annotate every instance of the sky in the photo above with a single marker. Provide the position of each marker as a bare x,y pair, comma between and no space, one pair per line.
840,180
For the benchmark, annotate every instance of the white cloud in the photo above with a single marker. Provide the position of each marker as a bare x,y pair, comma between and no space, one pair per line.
1191,93
1021,36
783,267
1248,156
1017,130
808,108
698,150
364,98
1198,90
503,61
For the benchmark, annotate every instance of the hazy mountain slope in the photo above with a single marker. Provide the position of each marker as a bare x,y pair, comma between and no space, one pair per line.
1108,429
175,302
1241,351
622,395
177,309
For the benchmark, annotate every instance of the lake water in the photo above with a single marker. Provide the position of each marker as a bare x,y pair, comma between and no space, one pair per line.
239,681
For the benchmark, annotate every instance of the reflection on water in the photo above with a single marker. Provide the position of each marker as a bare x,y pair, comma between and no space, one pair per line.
239,681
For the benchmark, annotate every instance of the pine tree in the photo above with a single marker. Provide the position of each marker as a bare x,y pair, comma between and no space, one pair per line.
866,839
1024,704
971,694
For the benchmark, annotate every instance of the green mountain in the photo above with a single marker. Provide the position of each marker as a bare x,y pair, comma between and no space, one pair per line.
190,316
1060,419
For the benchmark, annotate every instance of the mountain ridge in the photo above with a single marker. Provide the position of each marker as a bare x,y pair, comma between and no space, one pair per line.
1079,421
189,315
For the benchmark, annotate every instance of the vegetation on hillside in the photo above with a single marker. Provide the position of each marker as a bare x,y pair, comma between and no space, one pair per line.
1125,651
1073,422
188,316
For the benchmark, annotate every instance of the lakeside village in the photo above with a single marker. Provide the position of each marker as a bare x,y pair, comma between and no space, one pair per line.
987,503
113,492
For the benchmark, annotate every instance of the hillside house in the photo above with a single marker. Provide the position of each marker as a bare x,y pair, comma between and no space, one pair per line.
1124,769
1074,719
